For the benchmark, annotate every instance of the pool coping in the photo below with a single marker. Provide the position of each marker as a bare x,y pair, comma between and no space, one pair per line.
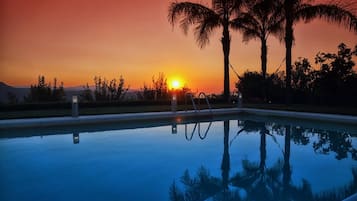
126,117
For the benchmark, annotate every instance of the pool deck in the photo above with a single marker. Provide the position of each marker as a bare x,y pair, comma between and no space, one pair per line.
108,118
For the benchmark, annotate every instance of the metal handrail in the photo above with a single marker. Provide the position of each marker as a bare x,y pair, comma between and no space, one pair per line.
199,101
192,100
197,109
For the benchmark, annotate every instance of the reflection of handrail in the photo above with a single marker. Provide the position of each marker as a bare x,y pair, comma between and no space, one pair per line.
189,138
194,129
199,130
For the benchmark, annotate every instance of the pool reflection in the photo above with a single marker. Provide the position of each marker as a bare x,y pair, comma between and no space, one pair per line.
75,138
258,181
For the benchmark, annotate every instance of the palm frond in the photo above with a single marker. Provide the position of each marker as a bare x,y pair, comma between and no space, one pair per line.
249,34
248,25
205,28
263,17
276,18
330,13
188,14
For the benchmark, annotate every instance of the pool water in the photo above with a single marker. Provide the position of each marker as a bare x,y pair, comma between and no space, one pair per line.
230,159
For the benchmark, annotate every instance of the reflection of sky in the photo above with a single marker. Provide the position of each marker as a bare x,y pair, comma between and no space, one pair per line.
141,164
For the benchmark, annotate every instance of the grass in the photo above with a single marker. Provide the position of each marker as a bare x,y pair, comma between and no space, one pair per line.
60,112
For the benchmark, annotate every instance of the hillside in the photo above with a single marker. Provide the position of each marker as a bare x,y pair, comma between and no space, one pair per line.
5,90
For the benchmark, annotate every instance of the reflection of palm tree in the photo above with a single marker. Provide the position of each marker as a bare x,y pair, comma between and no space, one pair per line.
225,166
204,185
208,19
256,178
296,10
263,18
260,182
286,166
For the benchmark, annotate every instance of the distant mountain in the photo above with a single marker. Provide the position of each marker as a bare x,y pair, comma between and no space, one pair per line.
6,90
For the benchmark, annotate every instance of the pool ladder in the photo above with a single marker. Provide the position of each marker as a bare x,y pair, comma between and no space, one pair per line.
200,96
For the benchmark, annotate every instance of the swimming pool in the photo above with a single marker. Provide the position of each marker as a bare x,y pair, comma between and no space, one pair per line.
230,158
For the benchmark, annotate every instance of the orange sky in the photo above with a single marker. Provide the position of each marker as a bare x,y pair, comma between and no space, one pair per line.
74,40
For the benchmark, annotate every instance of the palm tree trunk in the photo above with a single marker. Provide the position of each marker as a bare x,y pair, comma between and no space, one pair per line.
288,45
226,49
263,56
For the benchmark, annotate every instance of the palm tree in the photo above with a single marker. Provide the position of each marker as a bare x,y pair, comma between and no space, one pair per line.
262,18
206,21
297,10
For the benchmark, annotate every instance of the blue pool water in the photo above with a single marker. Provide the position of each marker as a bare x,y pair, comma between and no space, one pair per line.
237,159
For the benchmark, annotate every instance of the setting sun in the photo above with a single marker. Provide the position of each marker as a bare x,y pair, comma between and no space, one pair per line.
176,84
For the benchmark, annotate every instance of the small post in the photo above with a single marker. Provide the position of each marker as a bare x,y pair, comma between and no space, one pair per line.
240,100
174,102
74,106
75,138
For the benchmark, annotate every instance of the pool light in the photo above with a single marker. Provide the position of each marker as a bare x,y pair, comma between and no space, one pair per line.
74,106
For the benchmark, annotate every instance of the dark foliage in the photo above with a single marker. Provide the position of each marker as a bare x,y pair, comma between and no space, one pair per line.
158,90
87,94
333,84
108,90
251,86
43,92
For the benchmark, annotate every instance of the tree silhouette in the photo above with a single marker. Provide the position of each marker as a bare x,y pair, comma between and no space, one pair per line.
332,84
86,94
222,14
253,85
109,91
302,76
262,18
44,92
158,90
335,81
297,10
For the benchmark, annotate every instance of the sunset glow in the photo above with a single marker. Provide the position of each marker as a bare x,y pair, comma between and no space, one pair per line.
176,84
75,40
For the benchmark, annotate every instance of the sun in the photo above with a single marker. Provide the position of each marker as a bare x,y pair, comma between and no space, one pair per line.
176,84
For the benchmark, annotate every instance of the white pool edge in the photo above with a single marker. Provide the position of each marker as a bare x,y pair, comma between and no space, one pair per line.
88,119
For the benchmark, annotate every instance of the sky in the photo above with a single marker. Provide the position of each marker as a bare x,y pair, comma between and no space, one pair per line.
75,40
